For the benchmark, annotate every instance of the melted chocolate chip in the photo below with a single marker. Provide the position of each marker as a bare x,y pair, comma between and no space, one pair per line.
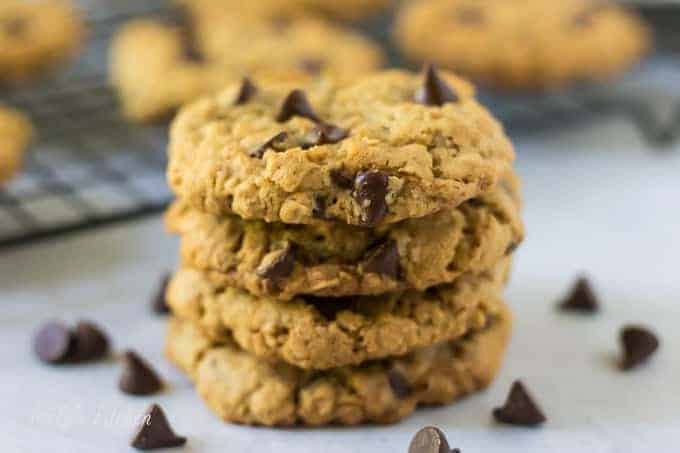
519,408
155,432
138,378
341,180
158,302
278,265
246,92
323,134
400,386
296,104
581,298
370,190
272,143
311,66
383,260
90,342
639,344
53,342
434,91
430,440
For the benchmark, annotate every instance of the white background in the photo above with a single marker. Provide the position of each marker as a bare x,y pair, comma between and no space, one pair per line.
597,201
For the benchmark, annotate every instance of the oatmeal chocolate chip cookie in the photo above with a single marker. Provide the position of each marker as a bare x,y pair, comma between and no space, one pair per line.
335,259
15,135
388,147
159,67
321,333
36,35
241,388
523,44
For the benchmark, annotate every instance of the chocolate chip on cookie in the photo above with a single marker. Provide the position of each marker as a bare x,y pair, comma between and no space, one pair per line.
400,386
54,342
370,190
296,104
383,260
341,180
430,440
434,91
278,265
639,344
329,307
323,134
272,143
519,408
319,206
138,378
91,343
581,298
158,304
155,432
246,92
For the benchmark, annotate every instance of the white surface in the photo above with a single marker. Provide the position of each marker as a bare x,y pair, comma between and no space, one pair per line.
595,202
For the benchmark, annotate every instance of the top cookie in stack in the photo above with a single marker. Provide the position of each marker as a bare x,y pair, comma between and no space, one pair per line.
345,245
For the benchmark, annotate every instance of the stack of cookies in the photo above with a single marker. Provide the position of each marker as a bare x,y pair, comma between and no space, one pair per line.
344,247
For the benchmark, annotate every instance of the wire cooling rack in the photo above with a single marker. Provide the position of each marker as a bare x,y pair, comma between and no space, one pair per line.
88,166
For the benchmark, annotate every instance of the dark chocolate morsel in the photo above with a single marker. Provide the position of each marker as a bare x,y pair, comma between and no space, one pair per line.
296,104
53,343
158,303
430,440
323,134
519,409
137,377
90,342
246,92
155,432
278,265
341,180
400,386
272,143
581,298
383,260
639,344
370,190
435,91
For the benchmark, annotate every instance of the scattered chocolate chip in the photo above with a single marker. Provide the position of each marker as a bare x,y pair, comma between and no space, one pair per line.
138,378
370,190
311,66
400,386
519,408
246,92
319,207
54,342
272,143
581,298
383,260
639,344
341,180
323,134
90,343
469,15
15,27
430,440
278,265
158,303
155,432
434,90
296,104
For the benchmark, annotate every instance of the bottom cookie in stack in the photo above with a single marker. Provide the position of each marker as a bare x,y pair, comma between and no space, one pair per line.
242,388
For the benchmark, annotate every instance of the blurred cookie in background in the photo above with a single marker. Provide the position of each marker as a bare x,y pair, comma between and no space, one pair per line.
15,135
35,36
158,67
523,44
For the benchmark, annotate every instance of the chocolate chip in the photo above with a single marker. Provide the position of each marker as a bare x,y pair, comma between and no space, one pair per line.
341,180
383,260
434,90
90,342
137,377
430,440
278,265
400,386
272,143
512,248
370,190
246,92
15,27
158,302
296,104
519,408
311,66
155,432
319,206
581,298
54,342
329,307
470,15
323,134
639,344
